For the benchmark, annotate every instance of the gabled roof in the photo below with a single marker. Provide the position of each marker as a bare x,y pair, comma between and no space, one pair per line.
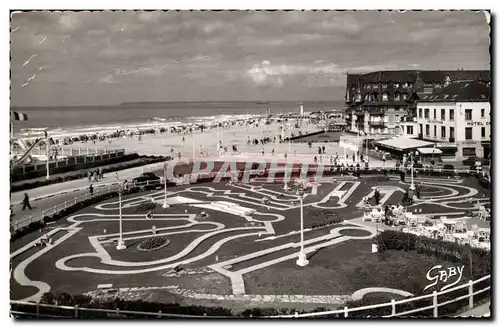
460,92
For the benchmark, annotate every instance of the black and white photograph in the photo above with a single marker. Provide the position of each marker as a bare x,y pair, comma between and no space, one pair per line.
250,164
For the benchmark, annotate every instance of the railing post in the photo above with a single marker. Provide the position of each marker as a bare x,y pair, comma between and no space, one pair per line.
159,314
38,309
346,312
435,303
75,199
76,310
65,204
54,210
296,314
471,294
117,312
393,304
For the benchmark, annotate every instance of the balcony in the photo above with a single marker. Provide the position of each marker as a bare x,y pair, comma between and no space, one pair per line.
376,123
408,119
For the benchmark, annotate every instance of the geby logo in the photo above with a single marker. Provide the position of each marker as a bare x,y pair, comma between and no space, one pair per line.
436,274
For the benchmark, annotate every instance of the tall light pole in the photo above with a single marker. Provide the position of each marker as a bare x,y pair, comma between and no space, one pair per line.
285,187
47,150
302,259
289,137
165,204
121,244
412,186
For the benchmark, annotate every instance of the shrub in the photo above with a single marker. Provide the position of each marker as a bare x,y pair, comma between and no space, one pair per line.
153,244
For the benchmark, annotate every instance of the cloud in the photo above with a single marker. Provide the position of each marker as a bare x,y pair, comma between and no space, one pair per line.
156,56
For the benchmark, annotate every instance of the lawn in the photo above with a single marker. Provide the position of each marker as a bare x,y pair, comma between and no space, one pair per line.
341,270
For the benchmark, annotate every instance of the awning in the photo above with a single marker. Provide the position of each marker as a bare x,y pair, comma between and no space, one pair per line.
429,151
403,143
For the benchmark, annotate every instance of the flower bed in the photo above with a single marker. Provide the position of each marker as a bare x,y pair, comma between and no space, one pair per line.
153,244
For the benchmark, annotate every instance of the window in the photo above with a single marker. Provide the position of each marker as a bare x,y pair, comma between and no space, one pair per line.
435,117
404,96
435,131
396,85
452,132
468,114
426,113
469,152
368,86
409,130
384,85
427,130
396,96
384,96
409,84
443,132
482,113
375,86
443,114
468,133
419,112
483,132
452,114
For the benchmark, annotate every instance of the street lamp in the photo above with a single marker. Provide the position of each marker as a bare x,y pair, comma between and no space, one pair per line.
121,244
165,204
302,259
285,187
412,186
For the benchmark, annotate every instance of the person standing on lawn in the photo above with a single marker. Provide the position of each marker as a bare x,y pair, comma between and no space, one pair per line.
26,202
91,190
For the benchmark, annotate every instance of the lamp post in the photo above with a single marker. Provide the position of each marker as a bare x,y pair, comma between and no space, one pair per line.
412,186
165,204
121,244
302,259
285,187
47,150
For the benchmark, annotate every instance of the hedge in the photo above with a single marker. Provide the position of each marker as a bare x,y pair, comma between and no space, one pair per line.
144,160
153,244
441,250
83,301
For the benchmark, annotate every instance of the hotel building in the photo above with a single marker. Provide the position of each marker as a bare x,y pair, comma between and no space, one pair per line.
457,118
384,102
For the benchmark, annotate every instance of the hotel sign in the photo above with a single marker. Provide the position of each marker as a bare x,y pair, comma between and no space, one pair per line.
477,123
446,145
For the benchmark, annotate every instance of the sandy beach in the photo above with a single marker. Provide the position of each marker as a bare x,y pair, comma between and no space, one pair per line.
206,142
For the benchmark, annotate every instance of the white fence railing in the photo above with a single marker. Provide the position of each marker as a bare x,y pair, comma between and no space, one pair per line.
76,312
99,190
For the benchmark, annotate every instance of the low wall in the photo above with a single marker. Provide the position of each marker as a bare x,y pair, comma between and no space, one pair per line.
70,164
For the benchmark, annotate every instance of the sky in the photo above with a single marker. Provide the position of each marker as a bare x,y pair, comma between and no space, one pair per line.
106,58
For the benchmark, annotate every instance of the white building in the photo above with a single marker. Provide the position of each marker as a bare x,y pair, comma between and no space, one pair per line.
457,118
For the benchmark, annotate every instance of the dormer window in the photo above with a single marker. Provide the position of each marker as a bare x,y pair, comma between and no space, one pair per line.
384,96
405,85
396,85
405,96
368,87
375,86
409,84
384,85
397,96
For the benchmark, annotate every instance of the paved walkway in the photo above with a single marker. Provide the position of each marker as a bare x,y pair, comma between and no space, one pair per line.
80,184
482,310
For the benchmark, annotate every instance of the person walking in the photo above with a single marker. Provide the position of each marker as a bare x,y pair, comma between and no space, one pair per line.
323,149
91,190
89,174
26,202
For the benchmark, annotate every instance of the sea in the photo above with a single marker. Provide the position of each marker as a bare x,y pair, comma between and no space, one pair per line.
126,115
